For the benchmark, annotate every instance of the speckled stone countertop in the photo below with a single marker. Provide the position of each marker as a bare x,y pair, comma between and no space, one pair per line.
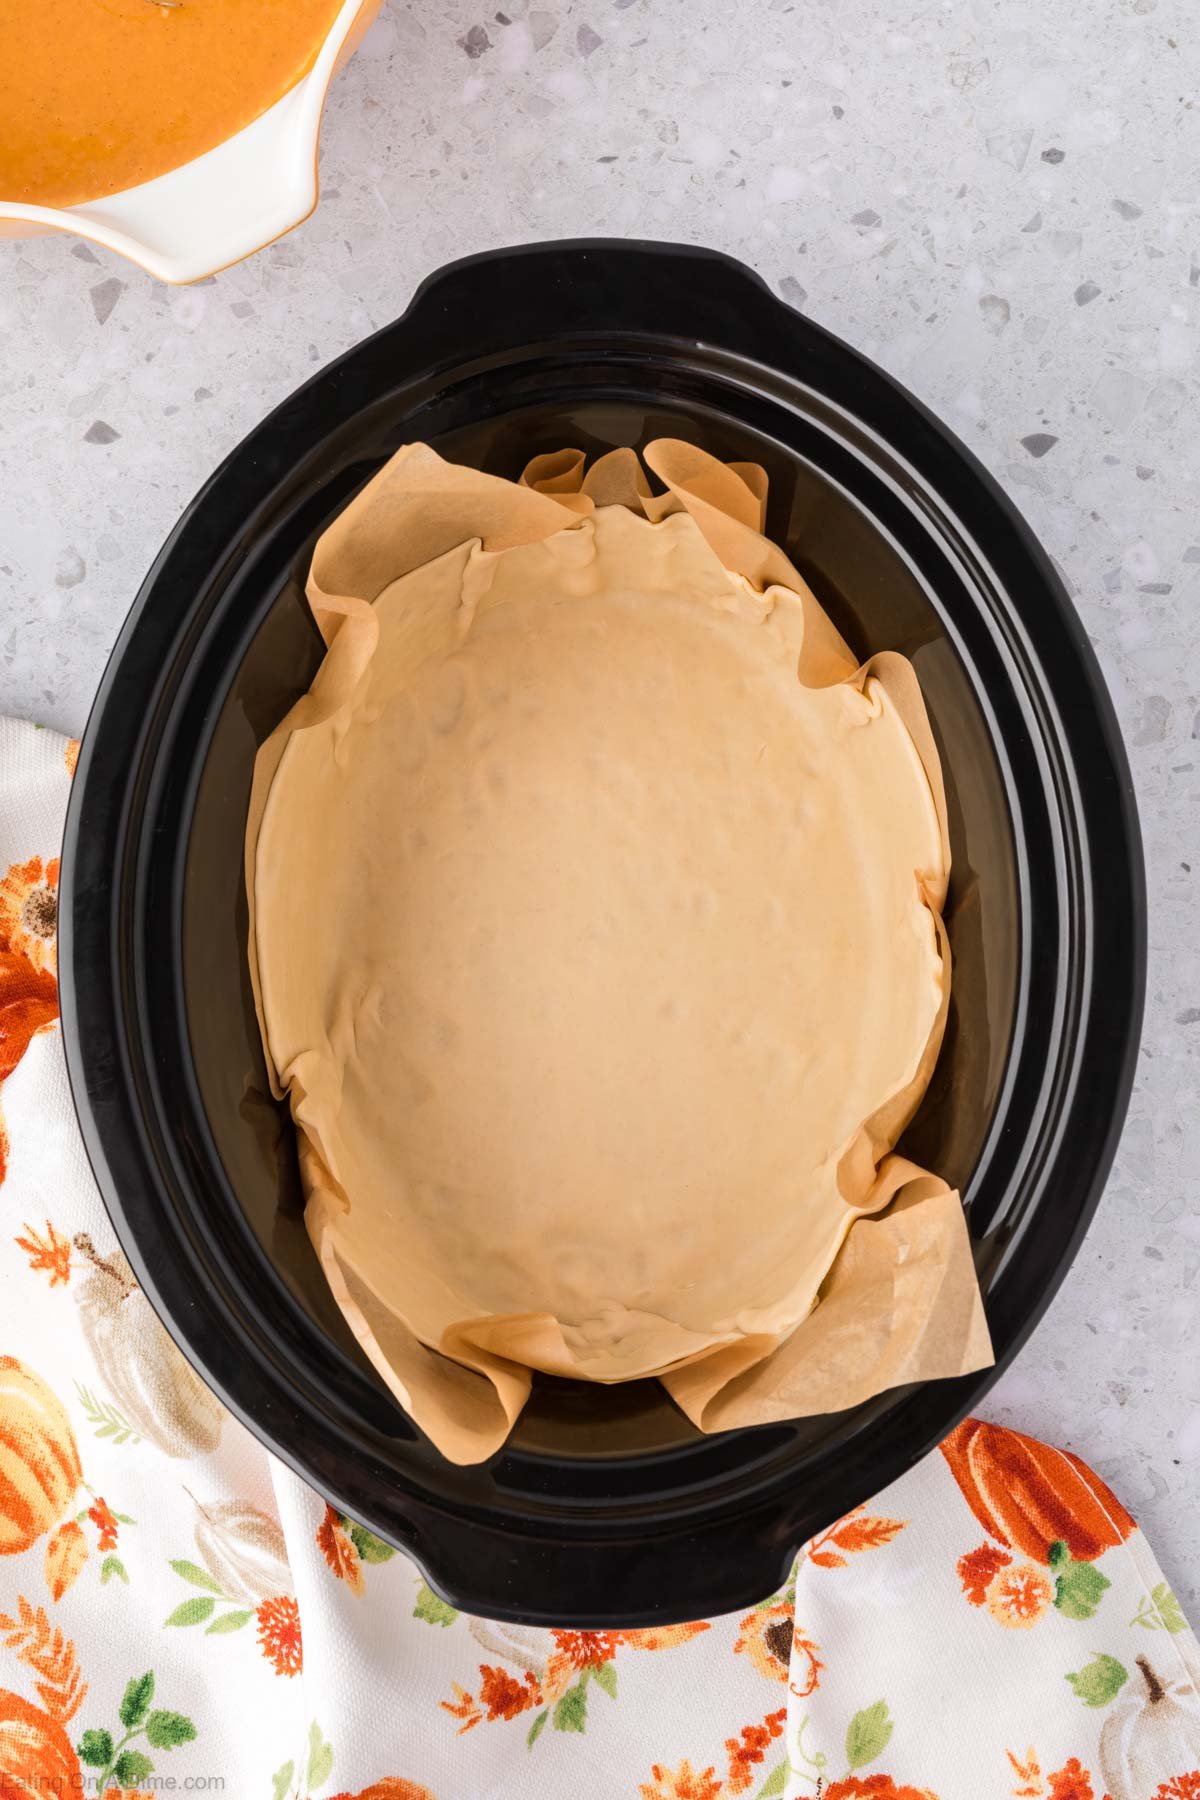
997,200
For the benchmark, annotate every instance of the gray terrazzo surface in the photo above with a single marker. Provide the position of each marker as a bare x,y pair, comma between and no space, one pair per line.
997,200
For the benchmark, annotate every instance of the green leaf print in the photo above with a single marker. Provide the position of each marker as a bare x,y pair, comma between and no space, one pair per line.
96,1748
1160,1611
1099,1681
196,1575
1079,1590
135,1702
1059,1554
605,1676
297,1779
867,1734
570,1714
167,1730
776,1782
131,1767
107,1419
1169,1609
230,1621
198,1609
118,1764
320,1758
112,1565
191,1612
372,1549
535,1730
431,1609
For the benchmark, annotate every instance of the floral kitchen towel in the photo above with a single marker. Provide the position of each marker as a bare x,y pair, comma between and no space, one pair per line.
179,1613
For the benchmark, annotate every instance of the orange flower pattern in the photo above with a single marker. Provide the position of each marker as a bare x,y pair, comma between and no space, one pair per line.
747,1750
744,1756
1071,1782
978,1569
1017,1597
875,1787
586,1649
502,1697
765,1636
105,1521
28,989
28,1004
662,1637
392,1787
683,1783
29,911
279,1634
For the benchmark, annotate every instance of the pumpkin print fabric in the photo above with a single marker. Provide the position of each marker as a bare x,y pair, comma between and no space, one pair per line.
178,1611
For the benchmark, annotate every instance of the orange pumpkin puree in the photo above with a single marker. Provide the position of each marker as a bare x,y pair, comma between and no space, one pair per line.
98,95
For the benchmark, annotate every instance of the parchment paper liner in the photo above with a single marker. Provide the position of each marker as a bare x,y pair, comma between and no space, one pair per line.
900,1302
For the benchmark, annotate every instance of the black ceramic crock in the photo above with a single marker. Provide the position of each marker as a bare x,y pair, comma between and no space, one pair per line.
606,1508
